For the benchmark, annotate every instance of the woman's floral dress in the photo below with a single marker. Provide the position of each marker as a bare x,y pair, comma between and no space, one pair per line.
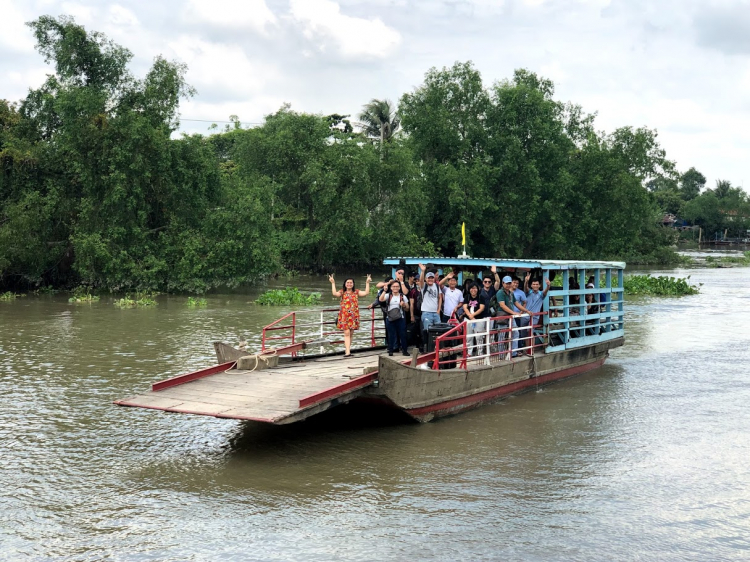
349,312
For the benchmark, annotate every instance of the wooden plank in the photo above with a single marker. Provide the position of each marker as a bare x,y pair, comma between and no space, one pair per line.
243,387
223,398
150,401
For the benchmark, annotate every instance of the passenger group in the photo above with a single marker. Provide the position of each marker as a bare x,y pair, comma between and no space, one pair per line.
412,303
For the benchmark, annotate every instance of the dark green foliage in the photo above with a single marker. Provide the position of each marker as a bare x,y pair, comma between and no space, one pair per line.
692,182
95,191
529,175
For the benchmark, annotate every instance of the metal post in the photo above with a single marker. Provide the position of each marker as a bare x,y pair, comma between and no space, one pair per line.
436,362
486,351
465,331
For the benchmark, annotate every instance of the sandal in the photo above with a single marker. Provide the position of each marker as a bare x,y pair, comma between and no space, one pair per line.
347,355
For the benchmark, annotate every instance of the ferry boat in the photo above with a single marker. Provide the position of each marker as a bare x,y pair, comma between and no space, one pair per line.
299,370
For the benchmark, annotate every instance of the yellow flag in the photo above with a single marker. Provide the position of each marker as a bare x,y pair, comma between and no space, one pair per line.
463,234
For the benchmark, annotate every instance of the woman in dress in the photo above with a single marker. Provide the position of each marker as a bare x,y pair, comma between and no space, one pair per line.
348,319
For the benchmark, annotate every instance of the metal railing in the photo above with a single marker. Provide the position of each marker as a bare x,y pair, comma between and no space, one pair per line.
489,340
318,327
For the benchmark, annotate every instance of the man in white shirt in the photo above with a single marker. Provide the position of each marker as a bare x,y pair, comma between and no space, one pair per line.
452,296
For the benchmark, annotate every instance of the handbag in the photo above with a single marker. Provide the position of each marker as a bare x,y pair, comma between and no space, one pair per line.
394,314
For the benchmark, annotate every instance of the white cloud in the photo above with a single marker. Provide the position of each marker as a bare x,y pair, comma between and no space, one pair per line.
679,66
221,70
232,14
83,13
15,36
323,23
122,17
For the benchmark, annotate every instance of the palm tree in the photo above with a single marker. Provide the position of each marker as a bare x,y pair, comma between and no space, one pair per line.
379,119
723,188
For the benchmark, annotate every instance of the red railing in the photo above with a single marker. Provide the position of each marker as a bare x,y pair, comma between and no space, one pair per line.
488,340
316,326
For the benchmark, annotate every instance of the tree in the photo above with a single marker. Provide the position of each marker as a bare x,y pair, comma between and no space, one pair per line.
691,184
445,121
723,188
379,119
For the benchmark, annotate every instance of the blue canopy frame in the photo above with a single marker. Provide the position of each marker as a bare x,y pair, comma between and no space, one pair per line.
569,324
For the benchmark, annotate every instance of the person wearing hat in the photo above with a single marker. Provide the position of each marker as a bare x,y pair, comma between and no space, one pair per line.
505,302
432,300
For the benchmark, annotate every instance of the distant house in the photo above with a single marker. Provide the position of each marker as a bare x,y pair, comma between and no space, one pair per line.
734,215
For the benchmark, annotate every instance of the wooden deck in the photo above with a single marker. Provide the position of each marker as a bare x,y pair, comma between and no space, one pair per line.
289,392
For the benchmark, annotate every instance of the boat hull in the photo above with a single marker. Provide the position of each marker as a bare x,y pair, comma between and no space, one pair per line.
425,394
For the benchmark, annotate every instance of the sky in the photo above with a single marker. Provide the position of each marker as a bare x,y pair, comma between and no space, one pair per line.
681,67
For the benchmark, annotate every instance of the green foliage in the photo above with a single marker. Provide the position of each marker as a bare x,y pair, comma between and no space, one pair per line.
94,189
83,294
379,119
724,208
196,301
659,286
691,184
139,300
288,296
45,290
529,175
728,261
8,296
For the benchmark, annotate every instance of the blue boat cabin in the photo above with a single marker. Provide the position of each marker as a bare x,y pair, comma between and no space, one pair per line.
576,315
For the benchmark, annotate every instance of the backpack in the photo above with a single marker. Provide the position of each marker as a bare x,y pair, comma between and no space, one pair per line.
494,306
418,295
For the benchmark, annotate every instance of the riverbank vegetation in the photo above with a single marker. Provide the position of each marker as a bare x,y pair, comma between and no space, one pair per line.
728,261
139,300
288,296
659,286
95,190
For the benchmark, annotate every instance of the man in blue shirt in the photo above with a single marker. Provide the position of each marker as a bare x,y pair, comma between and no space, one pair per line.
535,297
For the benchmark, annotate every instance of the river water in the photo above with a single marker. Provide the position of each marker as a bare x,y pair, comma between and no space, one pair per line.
645,458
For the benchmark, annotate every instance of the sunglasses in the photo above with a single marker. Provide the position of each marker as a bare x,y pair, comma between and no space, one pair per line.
487,281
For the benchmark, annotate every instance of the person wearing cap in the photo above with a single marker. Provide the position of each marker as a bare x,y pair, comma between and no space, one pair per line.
507,306
432,300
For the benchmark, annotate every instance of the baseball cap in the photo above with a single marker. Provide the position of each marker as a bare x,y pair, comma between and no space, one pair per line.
507,279
430,274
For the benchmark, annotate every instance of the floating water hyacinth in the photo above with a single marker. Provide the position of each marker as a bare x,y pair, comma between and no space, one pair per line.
659,286
288,296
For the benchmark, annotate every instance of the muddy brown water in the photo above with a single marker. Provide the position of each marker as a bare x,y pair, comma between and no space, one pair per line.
646,458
